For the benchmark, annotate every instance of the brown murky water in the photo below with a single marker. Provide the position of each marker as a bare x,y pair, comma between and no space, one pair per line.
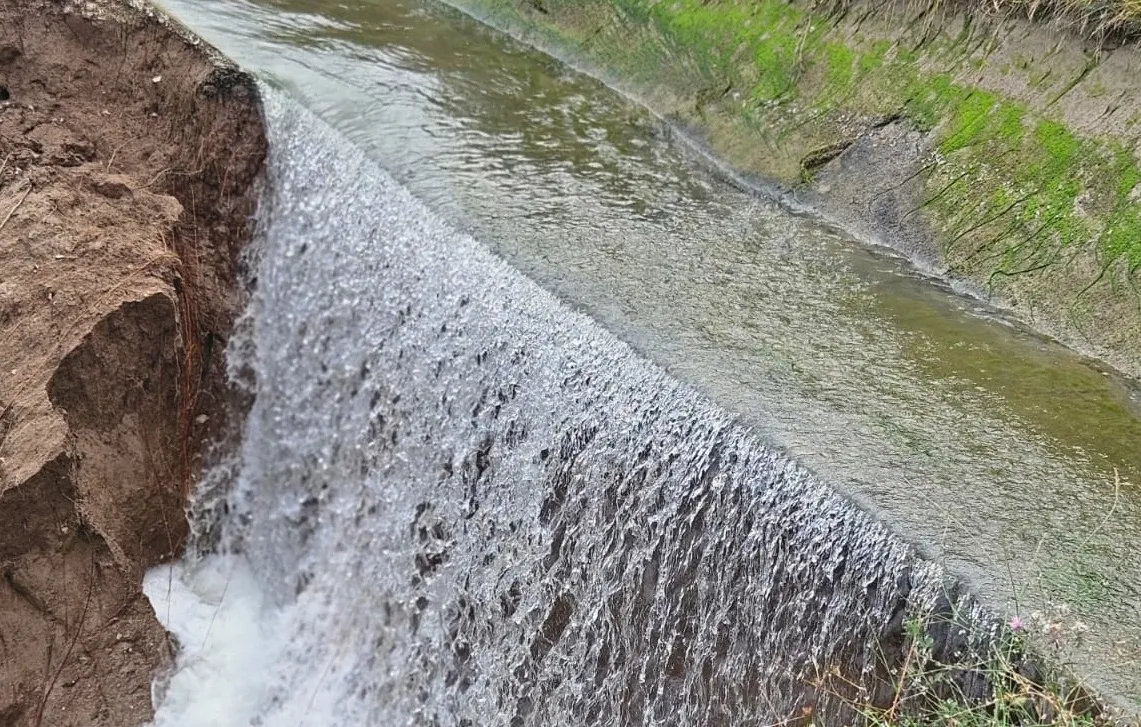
1003,455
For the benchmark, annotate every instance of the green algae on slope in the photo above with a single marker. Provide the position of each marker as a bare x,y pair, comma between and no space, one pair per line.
1016,200
1050,166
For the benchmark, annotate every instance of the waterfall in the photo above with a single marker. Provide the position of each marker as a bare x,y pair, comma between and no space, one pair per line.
459,502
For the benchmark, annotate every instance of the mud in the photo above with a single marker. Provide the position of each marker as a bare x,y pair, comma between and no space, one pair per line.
129,155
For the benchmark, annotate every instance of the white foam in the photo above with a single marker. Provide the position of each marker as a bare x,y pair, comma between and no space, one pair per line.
218,613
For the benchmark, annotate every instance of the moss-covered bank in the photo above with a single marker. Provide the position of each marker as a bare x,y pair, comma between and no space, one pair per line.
994,149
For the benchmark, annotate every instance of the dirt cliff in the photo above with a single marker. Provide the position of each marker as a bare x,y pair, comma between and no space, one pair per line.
129,154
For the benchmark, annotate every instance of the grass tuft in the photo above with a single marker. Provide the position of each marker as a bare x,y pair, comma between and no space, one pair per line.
1005,686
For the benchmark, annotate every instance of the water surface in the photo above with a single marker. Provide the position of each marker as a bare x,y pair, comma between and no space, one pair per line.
999,453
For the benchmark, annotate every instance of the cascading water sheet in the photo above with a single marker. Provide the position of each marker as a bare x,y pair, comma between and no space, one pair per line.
460,503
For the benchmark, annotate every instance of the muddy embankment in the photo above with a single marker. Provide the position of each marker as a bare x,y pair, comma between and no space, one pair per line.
128,156
998,150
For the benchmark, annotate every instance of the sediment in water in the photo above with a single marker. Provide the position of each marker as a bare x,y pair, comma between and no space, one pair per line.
128,156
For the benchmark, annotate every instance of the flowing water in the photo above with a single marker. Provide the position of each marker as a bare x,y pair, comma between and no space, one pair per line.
458,500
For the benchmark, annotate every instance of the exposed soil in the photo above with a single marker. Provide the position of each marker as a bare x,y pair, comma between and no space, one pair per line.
128,156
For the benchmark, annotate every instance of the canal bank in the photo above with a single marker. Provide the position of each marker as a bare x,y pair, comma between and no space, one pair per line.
994,150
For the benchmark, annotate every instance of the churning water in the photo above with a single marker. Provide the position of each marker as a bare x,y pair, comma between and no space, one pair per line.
992,449
466,504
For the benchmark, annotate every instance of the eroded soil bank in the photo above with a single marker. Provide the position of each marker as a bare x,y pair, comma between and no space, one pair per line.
128,156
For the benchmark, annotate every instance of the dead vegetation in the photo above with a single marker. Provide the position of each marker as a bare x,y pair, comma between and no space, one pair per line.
1107,23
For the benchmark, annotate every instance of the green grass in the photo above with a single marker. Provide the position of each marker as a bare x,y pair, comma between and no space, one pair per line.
1010,687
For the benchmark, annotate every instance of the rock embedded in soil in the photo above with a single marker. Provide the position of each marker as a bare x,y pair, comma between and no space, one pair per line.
124,207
